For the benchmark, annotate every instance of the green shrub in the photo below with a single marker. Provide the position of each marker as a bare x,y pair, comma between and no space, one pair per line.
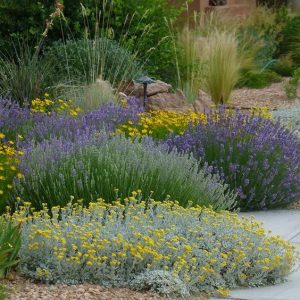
155,45
291,40
259,80
284,66
292,85
95,171
10,243
151,245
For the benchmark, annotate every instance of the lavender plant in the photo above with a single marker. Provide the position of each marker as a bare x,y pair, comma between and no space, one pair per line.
91,170
38,127
107,117
257,158
13,118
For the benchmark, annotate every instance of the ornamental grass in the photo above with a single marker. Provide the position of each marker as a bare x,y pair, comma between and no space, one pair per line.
150,244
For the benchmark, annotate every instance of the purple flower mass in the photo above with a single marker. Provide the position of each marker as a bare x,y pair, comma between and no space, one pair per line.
39,127
259,159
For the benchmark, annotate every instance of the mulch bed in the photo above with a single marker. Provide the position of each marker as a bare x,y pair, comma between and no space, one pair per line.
21,288
272,96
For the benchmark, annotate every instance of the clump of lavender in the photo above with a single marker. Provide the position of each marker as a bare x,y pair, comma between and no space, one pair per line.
257,158
107,117
13,117
54,170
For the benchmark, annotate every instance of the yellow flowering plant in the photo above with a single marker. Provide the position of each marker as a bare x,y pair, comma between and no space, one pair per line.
159,124
9,161
150,245
46,105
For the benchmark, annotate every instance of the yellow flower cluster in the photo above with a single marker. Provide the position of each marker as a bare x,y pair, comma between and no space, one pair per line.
262,111
118,240
46,105
160,123
8,166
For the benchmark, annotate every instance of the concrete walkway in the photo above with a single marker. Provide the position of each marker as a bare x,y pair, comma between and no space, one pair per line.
285,223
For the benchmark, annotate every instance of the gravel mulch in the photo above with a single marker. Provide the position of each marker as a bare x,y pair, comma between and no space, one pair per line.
272,96
25,289
295,205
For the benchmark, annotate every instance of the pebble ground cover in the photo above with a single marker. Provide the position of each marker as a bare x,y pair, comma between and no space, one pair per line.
58,164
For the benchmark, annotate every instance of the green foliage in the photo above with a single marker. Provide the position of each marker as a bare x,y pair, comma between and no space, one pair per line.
84,61
273,3
156,46
24,75
257,80
22,19
95,171
284,66
145,25
292,85
3,292
189,61
10,243
223,66
290,43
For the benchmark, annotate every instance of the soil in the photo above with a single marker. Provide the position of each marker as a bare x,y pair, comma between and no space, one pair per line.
21,288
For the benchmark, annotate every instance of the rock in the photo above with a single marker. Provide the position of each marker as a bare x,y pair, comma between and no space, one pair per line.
203,103
130,88
158,87
122,96
169,101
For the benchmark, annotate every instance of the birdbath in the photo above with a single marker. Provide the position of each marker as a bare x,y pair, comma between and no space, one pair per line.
145,80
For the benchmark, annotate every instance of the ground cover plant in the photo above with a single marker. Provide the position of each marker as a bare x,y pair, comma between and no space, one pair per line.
289,117
150,245
258,158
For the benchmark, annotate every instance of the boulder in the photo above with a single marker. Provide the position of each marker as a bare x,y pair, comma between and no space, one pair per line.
203,103
169,101
130,88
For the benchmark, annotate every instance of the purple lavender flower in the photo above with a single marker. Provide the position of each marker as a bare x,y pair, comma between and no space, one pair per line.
85,126
258,158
